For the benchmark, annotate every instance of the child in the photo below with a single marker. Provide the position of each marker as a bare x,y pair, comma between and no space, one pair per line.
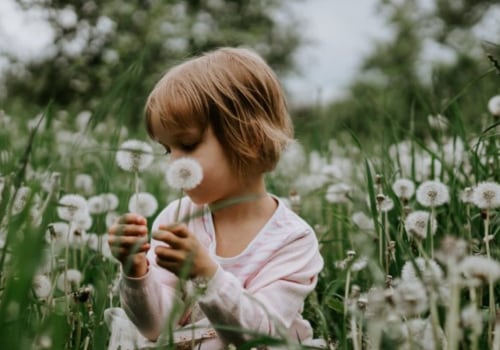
253,262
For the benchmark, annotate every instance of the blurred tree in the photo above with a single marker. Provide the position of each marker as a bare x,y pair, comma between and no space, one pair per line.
108,54
398,85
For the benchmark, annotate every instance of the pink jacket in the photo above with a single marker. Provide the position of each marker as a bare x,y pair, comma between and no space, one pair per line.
261,290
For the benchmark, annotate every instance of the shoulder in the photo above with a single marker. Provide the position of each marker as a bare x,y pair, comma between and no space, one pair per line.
186,208
290,225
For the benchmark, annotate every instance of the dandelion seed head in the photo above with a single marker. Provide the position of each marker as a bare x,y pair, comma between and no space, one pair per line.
97,204
184,173
111,201
403,188
438,122
486,195
84,183
481,268
22,196
338,193
42,286
416,224
134,155
111,218
71,206
494,105
73,280
410,298
467,194
430,271
472,319
384,203
432,194
143,203
364,222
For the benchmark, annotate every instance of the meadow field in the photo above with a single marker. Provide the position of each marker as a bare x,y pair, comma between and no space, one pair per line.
407,230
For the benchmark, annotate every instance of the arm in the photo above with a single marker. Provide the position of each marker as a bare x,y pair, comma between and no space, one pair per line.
273,299
150,299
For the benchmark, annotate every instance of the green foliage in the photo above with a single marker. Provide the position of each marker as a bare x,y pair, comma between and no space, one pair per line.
125,46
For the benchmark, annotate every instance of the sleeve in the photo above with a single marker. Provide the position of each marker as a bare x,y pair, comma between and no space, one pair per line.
152,300
275,297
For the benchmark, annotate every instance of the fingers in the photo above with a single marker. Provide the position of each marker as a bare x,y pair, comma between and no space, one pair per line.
172,259
180,230
170,238
128,230
131,218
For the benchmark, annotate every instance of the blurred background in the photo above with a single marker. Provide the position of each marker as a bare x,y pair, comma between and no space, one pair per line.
343,61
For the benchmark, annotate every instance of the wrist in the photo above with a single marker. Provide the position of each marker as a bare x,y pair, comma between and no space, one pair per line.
138,268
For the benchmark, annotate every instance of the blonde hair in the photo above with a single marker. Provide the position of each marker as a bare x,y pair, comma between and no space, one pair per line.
235,92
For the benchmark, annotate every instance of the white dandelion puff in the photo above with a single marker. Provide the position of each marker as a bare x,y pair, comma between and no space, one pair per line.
72,278
438,122
97,204
486,195
430,271
110,218
184,173
432,194
111,201
71,206
359,264
84,183
143,203
42,286
410,298
364,222
481,268
472,319
338,193
467,195
417,222
21,199
403,188
134,155
384,203
494,105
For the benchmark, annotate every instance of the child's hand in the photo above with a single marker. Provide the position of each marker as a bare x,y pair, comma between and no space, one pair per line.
184,251
128,240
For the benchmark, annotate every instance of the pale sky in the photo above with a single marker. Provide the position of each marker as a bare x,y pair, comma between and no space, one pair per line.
341,33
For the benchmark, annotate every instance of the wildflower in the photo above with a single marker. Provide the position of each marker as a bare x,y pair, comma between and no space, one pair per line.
111,218
22,196
403,188
487,195
71,206
410,298
84,183
111,201
429,270
438,122
134,155
184,173
466,196
494,105
364,222
97,204
384,203
338,193
143,203
480,267
472,319
416,224
72,278
42,286
432,194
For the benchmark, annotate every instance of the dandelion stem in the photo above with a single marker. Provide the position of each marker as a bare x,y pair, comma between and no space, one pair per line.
452,318
346,293
354,333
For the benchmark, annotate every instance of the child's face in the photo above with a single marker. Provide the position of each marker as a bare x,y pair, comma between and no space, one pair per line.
220,181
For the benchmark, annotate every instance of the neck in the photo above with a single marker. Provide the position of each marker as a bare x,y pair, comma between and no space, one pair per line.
250,200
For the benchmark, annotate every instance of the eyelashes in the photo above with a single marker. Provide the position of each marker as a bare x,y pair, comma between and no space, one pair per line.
182,147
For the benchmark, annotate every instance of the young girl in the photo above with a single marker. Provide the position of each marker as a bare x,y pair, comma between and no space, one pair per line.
253,262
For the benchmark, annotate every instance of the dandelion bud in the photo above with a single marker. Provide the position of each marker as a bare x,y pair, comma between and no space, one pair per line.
361,303
350,254
388,281
378,179
380,198
494,105
355,291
